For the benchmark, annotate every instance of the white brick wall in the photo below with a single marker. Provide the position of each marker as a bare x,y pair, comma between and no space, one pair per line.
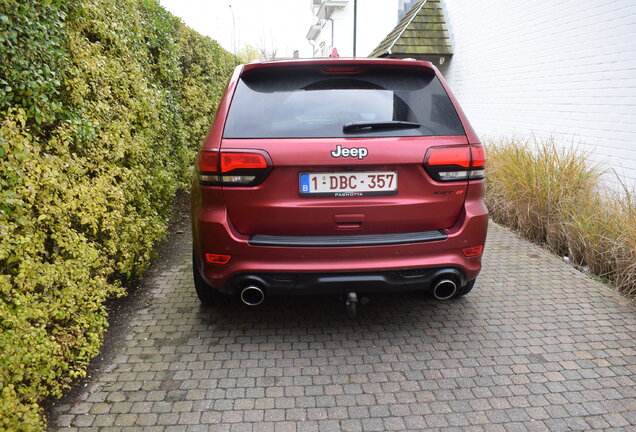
564,69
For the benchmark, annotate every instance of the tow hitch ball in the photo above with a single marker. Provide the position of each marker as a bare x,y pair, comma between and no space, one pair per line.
351,303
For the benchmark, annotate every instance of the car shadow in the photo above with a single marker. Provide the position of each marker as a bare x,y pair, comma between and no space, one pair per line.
412,313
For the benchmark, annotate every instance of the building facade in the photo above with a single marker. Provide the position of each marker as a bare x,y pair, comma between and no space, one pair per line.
562,70
333,25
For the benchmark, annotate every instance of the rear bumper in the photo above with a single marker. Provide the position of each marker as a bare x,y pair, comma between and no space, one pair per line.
344,282
309,270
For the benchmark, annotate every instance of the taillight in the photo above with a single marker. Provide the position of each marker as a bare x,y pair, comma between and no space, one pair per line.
232,161
477,162
455,163
208,167
233,167
341,70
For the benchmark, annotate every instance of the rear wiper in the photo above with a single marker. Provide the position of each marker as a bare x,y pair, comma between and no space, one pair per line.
387,124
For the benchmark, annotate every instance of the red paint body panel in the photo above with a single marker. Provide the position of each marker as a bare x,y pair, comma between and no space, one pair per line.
215,233
281,211
224,217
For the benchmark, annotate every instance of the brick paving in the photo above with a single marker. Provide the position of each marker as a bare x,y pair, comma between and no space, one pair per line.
537,346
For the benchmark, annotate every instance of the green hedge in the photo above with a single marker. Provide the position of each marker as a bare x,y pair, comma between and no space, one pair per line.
102,106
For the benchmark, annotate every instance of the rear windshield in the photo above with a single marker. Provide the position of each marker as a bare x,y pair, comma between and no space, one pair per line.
311,104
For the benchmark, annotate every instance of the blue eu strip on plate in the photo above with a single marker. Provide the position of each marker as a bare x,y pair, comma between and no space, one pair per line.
304,183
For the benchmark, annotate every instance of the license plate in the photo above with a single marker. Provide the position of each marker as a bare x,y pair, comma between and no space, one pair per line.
349,184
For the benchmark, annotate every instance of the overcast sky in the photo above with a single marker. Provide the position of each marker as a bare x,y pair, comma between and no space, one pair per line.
280,24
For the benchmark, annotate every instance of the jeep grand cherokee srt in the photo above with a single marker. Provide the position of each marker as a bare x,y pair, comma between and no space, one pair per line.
337,176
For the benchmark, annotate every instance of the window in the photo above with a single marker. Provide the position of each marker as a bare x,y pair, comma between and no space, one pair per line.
310,104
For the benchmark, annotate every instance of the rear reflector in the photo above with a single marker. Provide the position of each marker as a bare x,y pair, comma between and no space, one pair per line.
217,258
233,168
473,251
455,163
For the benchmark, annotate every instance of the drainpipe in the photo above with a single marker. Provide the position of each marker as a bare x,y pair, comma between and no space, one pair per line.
331,19
355,22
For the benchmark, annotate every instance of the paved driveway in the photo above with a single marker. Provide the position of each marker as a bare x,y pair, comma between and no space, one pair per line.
535,346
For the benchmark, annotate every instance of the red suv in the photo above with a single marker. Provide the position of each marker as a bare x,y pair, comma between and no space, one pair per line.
338,176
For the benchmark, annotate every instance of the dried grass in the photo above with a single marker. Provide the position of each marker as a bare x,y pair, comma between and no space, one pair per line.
554,196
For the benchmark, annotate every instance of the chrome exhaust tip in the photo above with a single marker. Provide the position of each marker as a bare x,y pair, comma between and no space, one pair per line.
252,295
444,289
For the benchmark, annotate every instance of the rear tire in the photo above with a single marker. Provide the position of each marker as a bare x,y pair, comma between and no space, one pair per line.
208,296
462,291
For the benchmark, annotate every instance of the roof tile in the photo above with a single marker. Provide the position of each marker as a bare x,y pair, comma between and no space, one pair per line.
421,31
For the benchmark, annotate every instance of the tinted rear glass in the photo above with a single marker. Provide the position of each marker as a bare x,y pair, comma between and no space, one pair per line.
310,104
